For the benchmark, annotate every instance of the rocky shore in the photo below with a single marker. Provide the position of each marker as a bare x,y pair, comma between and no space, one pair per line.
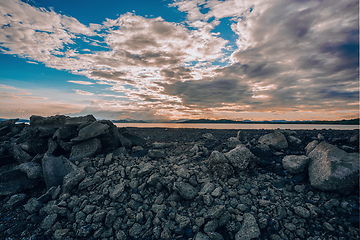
79,178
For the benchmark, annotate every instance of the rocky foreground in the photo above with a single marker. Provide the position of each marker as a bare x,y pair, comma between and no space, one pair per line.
78,178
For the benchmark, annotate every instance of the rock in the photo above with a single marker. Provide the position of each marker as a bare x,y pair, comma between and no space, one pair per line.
78,121
295,164
215,212
186,190
135,230
249,229
311,146
85,149
33,205
293,141
275,140
48,221
15,200
217,158
201,236
16,181
117,190
302,212
242,136
20,155
111,140
65,133
73,178
32,169
233,142
57,120
55,169
207,188
240,157
93,130
61,234
156,153
332,169
134,139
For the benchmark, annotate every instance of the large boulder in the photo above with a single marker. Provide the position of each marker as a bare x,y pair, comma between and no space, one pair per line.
85,149
57,120
93,130
55,169
332,169
295,163
240,157
276,140
15,180
249,229
219,165
111,140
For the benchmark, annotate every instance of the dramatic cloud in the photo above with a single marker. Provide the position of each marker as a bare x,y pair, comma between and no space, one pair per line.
283,57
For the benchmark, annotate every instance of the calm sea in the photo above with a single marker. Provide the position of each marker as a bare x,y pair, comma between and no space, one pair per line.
239,126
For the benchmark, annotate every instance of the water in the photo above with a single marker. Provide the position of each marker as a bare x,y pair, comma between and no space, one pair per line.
239,126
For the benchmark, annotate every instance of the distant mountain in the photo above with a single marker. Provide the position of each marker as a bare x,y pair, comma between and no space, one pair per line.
339,122
128,121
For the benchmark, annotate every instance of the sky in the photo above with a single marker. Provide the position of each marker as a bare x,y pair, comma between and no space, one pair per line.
180,59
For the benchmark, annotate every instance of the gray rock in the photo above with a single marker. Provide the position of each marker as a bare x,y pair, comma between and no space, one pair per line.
156,153
186,190
233,142
294,141
55,169
33,205
65,133
15,200
32,169
311,146
145,168
211,226
332,169
20,155
275,140
93,130
134,139
302,212
47,121
222,170
85,149
117,190
215,212
111,140
240,157
201,236
72,179
61,234
294,163
78,121
217,157
207,188
15,181
242,136
48,221
249,229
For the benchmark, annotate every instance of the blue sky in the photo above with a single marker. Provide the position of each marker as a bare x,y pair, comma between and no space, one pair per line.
165,59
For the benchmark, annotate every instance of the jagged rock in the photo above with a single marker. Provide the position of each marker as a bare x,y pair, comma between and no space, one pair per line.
219,165
275,140
20,155
240,157
85,149
201,236
311,146
233,142
32,169
217,157
134,139
16,181
73,178
47,121
156,153
249,229
242,136
65,133
15,200
80,121
55,169
111,140
294,141
93,130
332,169
295,164
186,190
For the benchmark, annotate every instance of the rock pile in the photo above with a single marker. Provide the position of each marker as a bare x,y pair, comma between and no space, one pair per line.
86,179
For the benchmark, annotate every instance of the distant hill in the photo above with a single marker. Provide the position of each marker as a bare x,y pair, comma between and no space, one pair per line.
128,121
339,122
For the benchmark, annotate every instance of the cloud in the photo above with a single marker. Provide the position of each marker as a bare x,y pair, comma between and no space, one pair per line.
81,82
286,56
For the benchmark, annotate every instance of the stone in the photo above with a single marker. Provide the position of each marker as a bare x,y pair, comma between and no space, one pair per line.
207,188
302,212
134,139
117,190
61,234
48,221
249,229
311,146
20,155
32,169
293,141
242,136
16,181
295,164
156,153
240,157
65,133
186,190
78,121
33,205
93,130
85,149
217,157
223,170
55,169
47,121
15,200
215,212
332,169
274,140
111,140
73,178
201,236
233,142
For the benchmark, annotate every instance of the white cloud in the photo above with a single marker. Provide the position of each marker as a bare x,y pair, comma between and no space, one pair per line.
81,92
81,82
